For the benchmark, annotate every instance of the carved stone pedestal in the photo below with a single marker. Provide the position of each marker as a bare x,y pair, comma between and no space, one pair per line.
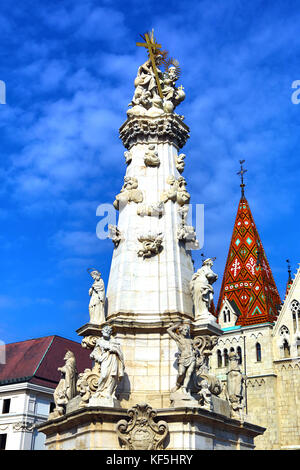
136,429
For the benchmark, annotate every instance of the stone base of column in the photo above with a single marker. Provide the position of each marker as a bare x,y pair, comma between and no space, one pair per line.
188,429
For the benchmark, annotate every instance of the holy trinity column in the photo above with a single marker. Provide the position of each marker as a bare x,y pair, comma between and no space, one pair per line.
152,267
151,334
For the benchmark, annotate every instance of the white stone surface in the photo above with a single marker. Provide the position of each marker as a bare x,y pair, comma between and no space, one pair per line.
149,288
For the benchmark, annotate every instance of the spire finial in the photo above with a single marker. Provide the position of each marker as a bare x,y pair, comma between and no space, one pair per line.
241,173
289,270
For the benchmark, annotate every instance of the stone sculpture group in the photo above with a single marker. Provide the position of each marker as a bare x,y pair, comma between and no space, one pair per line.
195,386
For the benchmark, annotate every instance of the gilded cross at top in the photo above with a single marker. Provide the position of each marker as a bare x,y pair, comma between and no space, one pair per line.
153,50
241,173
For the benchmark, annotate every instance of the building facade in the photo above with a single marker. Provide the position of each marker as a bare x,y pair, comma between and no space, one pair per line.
265,336
27,382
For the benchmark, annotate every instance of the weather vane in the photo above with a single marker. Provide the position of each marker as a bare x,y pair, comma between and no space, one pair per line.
241,173
154,50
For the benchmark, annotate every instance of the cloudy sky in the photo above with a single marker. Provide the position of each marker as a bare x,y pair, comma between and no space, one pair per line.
69,68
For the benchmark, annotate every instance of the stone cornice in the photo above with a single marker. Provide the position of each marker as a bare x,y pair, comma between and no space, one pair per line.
166,128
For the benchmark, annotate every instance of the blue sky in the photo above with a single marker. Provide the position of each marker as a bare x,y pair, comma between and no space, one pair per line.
69,68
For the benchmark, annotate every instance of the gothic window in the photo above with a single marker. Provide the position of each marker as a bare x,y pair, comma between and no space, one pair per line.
226,314
226,359
286,349
284,333
258,352
219,358
239,352
295,307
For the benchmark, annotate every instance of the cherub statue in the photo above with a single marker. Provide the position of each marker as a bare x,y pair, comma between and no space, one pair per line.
107,353
152,245
151,157
66,388
128,193
97,300
180,164
202,290
172,95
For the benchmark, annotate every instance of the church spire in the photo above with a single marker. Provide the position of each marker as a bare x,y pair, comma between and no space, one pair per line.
248,283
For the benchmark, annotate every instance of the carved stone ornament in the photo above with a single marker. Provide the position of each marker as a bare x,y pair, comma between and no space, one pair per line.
154,210
115,235
129,193
23,426
87,384
151,157
89,342
187,234
128,157
151,245
177,192
141,432
165,129
179,162
203,379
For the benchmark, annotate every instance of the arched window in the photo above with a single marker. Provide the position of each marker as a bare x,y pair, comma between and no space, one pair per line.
226,359
295,307
286,349
239,353
258,352
226,314
219,358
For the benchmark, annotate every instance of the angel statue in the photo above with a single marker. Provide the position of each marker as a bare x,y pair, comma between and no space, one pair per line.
107,353
202,291
66,388
97,300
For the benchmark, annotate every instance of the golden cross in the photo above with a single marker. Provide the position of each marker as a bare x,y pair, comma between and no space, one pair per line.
152,47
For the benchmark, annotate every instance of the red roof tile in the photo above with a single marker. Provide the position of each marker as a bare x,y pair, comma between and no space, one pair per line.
37,360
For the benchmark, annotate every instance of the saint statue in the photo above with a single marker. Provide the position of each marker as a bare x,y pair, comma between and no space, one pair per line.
202,290
107,353
66,388
97,294
186,357
234,386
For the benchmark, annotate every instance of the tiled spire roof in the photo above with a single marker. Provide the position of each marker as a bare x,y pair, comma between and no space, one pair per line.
248,280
